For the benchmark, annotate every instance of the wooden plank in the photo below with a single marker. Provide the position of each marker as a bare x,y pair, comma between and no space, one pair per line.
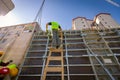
54,69
55,58
56,50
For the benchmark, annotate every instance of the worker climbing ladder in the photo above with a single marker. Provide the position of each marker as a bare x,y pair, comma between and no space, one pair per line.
50,58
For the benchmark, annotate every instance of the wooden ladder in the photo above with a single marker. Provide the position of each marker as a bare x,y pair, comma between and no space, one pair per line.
54,58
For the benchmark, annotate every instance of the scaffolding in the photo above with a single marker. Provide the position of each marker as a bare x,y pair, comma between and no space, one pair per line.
87,55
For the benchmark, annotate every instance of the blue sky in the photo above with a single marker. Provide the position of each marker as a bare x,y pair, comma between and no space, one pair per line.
63,11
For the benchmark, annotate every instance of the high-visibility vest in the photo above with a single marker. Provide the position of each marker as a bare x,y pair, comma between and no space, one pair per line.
55,25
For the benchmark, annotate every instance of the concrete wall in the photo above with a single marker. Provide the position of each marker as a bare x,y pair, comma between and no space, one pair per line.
16,41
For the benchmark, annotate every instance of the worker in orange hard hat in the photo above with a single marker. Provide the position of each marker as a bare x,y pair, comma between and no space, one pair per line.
55,31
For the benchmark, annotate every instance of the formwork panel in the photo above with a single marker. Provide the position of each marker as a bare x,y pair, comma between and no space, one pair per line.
104,77
41,33
78,60
113,69
110,34
73,36
76,46
77,52
101,51
31,70
39,42
33,61
100,70
29,78
93,39
38,47
74,40
36,54
113,45
112,39
73,32
92,34
104,60
80,70
83,77
116,51
97,46
94,60
40,37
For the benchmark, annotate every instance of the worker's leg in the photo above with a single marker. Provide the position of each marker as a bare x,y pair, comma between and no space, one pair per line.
57,39
54,38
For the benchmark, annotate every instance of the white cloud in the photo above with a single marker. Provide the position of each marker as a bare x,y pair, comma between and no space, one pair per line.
113,3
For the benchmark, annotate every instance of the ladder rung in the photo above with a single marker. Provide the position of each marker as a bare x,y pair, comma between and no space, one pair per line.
55,58
54,69
56,50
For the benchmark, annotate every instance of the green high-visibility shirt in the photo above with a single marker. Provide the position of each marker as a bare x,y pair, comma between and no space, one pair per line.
54,25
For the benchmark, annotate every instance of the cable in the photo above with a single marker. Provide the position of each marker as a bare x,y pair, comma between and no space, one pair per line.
39,13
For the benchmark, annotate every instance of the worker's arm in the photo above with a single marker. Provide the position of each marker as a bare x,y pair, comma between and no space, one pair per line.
47,27
60,28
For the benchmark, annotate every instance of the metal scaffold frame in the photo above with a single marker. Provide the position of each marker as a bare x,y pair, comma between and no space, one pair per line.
81,59
45,56
92,53
66,57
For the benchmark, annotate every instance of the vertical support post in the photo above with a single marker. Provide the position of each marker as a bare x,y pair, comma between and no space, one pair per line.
66,56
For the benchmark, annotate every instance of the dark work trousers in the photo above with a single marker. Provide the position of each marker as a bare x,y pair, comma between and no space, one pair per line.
55,40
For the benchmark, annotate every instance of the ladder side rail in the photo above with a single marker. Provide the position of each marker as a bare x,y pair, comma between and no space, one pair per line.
62,62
